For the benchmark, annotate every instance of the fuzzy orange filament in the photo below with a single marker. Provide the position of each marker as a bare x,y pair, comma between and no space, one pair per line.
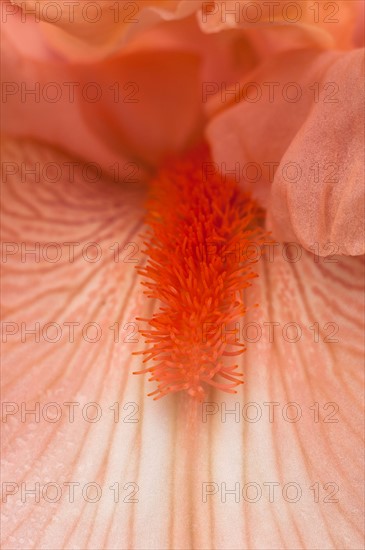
199,228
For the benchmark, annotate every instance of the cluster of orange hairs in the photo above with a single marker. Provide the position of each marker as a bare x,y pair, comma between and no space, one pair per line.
200,227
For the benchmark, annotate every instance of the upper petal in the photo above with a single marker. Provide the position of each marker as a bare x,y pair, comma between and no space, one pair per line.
281,25
323,202
154,112
300,111
40,93
92,30
258,122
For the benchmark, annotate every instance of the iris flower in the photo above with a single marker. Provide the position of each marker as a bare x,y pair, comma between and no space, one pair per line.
98,464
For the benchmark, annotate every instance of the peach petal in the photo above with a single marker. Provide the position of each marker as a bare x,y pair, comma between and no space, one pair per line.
167,466
79,30
40,95
109,128
359,34
276,136
156,112
258,123
282,25
89,365
326,202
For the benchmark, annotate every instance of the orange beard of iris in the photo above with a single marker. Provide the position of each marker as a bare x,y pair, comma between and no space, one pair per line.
200,228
